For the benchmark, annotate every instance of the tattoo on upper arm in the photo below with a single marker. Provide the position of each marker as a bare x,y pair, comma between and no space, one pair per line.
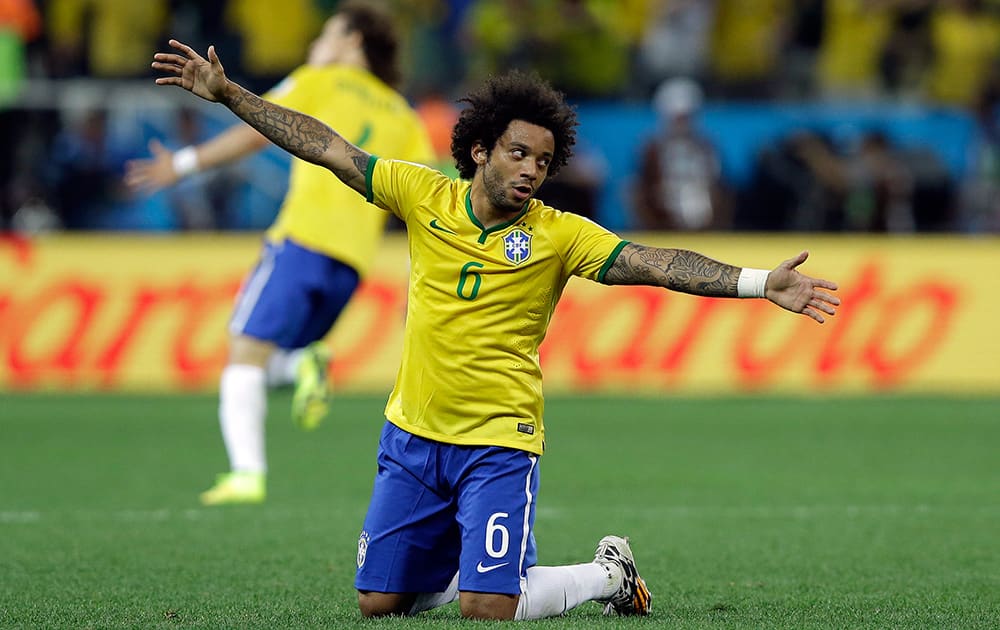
676,269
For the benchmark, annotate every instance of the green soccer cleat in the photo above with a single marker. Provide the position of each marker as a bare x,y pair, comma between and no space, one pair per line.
311,399
632,597
234,488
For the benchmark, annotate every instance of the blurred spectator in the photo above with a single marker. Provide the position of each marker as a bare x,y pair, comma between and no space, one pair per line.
921,51
498,34
580,46
676,42
798,65
880,188
85,169
24,134
20,23
747,40
201,201
104,38
274,38
679,186
630,18
933,198
628,21
798,184
201,24
34,217
855,33
584,51
807,183
430,55
577,186
966,41
439,117
908,49
980,195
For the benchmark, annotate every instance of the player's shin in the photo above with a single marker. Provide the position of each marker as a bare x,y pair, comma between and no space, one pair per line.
242,408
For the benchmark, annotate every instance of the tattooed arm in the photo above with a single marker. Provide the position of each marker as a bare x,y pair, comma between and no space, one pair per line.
690,272
301,135
676,269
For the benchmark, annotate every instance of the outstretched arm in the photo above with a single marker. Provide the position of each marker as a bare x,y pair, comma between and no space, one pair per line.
301,135
164,168
691,272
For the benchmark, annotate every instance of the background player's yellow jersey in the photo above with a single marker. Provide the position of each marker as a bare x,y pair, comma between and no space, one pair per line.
319,212
480,301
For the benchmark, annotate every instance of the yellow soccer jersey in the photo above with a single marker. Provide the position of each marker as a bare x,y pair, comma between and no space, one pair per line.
319,212
480,301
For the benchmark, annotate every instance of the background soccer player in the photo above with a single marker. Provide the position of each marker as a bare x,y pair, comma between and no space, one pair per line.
321,244
457,463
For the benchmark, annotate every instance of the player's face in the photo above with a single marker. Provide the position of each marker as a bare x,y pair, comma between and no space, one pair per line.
332,43
517,165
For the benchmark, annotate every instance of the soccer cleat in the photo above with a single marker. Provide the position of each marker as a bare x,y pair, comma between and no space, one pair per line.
632,597
235,488
311,399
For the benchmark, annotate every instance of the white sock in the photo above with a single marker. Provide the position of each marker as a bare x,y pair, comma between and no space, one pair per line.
551,591
427,601
242,408
283,367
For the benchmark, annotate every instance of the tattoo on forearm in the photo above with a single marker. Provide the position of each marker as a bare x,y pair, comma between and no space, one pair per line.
359,158
676,269
301,135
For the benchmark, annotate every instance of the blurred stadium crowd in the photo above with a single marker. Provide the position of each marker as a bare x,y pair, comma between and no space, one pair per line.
76,102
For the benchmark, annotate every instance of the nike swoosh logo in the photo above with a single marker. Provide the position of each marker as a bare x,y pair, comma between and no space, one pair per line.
481,569
434,224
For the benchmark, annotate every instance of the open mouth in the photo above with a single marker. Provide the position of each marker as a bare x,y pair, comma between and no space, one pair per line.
524,191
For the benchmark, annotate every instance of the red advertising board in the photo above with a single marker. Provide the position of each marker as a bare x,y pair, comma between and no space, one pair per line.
148,313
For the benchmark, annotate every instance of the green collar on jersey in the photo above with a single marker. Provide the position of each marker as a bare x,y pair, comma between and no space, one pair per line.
495,228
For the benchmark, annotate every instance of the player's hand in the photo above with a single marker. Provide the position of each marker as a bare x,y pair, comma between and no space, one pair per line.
152,174
799,293
204,78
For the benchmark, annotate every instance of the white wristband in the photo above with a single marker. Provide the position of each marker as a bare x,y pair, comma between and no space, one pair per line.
751,283
185,161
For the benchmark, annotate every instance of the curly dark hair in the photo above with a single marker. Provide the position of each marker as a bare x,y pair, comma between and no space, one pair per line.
379,39
502,99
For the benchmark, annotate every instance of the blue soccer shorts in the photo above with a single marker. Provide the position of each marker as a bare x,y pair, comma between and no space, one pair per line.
440,508
293,296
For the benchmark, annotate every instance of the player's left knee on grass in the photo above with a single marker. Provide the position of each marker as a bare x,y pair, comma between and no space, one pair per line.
372,604
487,605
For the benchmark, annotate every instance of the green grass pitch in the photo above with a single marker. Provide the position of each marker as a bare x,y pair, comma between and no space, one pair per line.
743,512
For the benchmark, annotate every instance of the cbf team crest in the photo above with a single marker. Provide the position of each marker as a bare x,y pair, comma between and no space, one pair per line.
517,246
363,541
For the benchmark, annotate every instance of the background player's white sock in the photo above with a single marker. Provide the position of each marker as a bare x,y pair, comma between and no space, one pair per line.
551,591
427,601
242,408
283,366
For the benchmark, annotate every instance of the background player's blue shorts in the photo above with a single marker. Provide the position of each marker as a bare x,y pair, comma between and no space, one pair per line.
293,296
440,508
